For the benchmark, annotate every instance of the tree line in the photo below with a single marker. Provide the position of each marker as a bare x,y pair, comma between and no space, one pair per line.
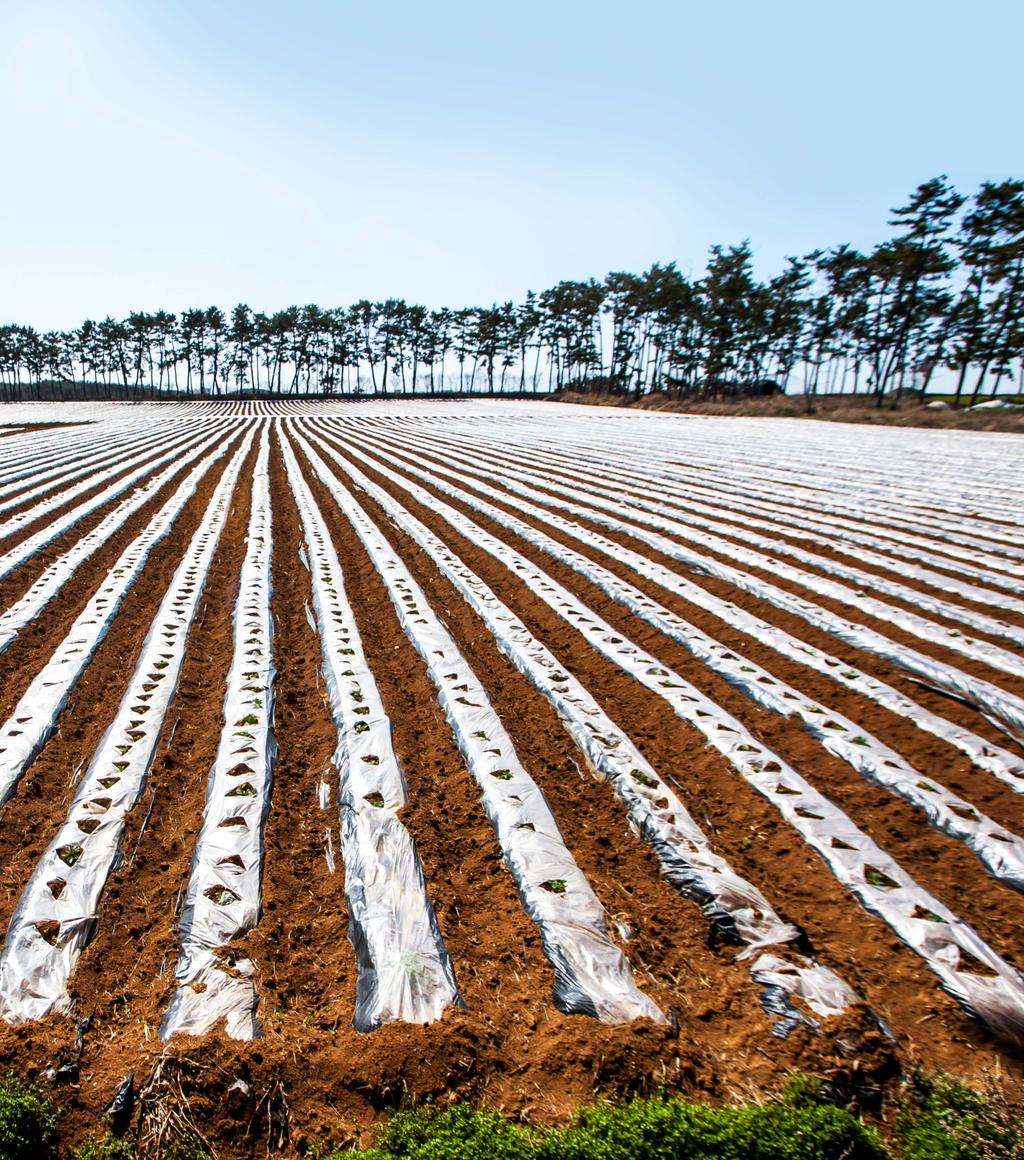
943,295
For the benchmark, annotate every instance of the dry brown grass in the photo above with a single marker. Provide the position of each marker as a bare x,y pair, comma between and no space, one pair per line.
831,408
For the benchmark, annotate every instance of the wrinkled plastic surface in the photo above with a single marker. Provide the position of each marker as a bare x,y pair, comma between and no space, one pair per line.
50,477
999,849
58,911
592,975
222,899
35,716
56,575
1001,706
950,947
404,972
35,543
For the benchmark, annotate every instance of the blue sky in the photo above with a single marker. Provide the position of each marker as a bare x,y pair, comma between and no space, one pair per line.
186,153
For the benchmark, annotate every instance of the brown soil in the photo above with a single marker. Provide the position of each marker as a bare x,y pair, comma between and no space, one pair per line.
509,1048
727,528
77,530
21,428
938,862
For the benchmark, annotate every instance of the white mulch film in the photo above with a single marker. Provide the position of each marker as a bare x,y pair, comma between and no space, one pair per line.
83,469
124,458
599,496
737,909
27,480
404,972
55,576
1003,764
222,899
917,530
35,455
36,715
57,914
64,520
1001,706
592,975
946,943
1001,851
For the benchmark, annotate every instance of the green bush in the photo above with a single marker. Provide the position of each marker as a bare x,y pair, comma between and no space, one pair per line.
641,1129
659,1129
460,1133
27,1121
187,1147
946,1120
109,1148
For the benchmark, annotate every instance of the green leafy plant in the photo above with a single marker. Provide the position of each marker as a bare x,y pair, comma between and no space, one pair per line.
27,1120
109,1148
659,1129
458,1133
641,1129
187,1147
946,1120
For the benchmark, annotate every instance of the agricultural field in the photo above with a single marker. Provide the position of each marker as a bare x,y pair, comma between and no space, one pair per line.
510,752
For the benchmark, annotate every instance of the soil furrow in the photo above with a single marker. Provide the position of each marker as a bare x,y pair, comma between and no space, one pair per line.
752,835
30,650
125,978
924,750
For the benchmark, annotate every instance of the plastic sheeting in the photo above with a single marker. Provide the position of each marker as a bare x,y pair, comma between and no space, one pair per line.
718,472
951,948
139,451
591,975
778,521
996,703
1000,850
25,732
834,484
40,485
39,451
893,503
222,900
738,911
56,575
706,517
404,972
967,488
36,484
58,911
1000,762
921,543
910,622
36,542
595,498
